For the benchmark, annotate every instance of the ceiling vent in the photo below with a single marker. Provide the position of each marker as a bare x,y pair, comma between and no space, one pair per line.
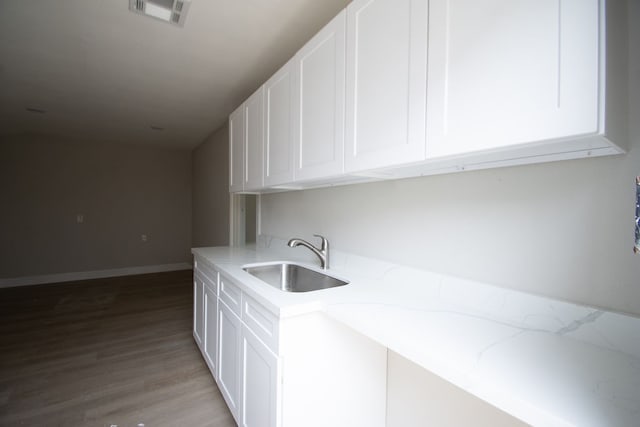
171,11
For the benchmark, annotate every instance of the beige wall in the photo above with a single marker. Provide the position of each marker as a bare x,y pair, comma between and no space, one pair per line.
561,229
211,190
122,191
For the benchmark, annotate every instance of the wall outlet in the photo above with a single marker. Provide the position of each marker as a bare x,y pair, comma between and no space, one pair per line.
143,237
80,218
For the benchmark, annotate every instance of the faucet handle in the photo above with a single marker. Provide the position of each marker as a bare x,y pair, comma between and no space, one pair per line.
325,243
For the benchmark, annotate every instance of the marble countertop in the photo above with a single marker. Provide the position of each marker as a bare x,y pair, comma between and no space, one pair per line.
546,362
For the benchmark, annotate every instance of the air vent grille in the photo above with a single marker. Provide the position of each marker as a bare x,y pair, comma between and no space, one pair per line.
170,11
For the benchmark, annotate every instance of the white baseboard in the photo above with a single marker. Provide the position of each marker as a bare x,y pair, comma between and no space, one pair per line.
98,274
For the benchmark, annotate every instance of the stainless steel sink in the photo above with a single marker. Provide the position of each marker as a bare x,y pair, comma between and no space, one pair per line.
291,277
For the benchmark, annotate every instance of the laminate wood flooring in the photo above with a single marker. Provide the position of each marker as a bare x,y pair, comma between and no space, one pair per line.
105,352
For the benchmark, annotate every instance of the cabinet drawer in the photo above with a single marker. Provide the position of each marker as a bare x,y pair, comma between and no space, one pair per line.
231,294
261,321
206,271
209,284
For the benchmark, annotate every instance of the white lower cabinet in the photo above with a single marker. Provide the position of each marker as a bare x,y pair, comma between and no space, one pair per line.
198,308
210,346
205,301
307,370
229,363
260,376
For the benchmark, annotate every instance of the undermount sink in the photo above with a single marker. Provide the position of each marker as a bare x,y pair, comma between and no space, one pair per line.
291,277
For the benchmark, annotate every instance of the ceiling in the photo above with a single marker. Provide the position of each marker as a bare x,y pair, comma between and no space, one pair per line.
104,74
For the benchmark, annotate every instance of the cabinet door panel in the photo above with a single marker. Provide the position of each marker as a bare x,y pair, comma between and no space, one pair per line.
254,139
386,83
236,150
505,72
279,127
319,148
229,332
211,329
231,295
198,309
260,403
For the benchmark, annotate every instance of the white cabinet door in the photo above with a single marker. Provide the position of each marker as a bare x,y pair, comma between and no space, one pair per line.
198,309
210,347
319,124
236,150
254,138
505,72
260,375
279,131
386,83
229,361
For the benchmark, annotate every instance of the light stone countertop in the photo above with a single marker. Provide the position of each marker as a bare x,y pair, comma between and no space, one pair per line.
546,362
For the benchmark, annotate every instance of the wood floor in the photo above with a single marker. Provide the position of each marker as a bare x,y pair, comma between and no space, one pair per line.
105,352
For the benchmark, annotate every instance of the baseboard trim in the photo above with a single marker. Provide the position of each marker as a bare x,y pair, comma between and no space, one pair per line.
97,274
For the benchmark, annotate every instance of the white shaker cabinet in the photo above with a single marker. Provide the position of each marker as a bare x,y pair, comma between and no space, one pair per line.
504,73
303,370
320,98
385,83
236,150
229,351
248,370
210,346
279,127
401,88
245,145
198,309
260,374
205,324
254,139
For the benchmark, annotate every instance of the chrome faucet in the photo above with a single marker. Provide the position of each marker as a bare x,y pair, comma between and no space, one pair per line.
322,252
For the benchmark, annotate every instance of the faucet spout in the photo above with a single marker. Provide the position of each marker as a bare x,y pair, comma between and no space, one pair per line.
322,252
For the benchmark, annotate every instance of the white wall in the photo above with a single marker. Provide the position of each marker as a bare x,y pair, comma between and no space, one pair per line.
561,229
210,180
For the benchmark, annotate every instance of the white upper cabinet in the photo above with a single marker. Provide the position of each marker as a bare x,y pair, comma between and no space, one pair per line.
236,150
319,103
401,88
279,131
385,83
254,139
504,72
